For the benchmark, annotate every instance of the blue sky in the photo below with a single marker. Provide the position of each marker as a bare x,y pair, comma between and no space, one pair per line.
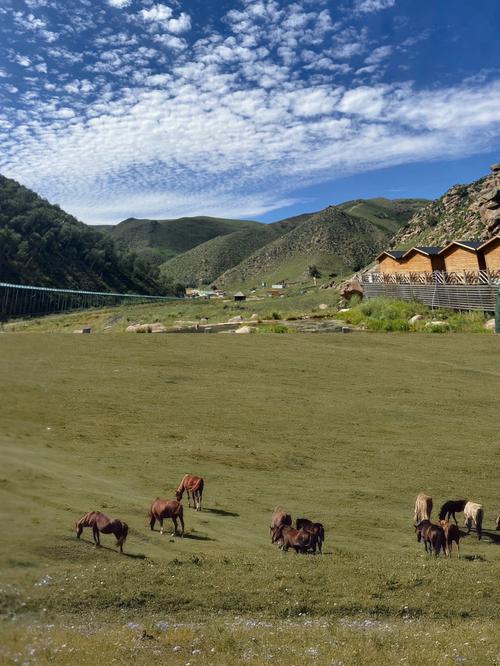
253,108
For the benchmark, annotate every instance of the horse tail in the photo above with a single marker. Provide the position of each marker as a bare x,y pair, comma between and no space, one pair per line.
479,522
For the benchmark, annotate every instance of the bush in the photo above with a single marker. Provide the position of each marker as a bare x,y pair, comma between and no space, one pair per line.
275,328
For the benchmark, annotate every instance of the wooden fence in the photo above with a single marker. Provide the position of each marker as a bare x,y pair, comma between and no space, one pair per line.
464,290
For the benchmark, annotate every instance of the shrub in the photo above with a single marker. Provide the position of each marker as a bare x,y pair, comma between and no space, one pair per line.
274,328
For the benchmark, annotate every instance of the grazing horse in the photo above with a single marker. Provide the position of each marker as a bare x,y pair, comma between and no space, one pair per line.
161,509
497,522
473,514
451,534
432,535
450,508
279,518
101,523
300,540
423,508
194,485
314,528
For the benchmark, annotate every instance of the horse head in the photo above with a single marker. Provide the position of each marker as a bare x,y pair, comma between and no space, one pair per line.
178,495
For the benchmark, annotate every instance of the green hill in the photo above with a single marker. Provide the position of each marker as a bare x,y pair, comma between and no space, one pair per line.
331,239
42,245
387,214
158,241
205,262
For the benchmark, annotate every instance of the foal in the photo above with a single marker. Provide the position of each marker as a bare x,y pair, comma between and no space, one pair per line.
101,523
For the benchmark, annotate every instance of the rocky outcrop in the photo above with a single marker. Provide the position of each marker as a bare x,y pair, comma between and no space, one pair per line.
464,212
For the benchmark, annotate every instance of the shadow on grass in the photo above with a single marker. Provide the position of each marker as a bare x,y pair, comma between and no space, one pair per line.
493,536
222,512
133,556
197,537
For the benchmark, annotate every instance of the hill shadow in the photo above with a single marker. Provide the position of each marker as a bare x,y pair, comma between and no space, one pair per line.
222,512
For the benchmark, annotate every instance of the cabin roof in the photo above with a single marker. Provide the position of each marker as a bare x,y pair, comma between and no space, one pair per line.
395,254
490,240
429,250
469,245
239,293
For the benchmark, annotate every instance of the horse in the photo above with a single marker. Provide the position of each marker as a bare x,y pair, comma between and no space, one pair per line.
497,522
314,528
450,508
279,518
432,536
101,523
451,534
161,509
194,485
473,513
423,508
300,540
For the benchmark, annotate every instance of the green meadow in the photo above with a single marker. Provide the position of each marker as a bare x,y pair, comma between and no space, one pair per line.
343,429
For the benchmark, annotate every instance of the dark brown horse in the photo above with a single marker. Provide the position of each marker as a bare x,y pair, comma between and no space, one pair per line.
450,508
101,523
194,485
300,540
315,528
279,518
161,509
432,535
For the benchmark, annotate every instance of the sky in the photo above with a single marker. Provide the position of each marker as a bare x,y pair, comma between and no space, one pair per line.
255,109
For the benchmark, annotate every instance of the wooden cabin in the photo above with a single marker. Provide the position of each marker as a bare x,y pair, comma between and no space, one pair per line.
388,261
462,256
490,251
422,260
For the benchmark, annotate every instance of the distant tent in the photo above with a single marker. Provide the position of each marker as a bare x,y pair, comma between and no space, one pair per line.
240,296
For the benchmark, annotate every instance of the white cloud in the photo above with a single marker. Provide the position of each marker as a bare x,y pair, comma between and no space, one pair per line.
119,4
378,54
368,6
157,14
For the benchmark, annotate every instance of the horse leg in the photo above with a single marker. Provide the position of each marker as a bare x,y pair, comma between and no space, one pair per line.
174,521
198,500
95,533
152,522
161,525
181,520
189,500
455,518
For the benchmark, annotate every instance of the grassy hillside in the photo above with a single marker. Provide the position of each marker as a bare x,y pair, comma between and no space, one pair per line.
159,240
389,215
42,245
331,239
266,420
205,262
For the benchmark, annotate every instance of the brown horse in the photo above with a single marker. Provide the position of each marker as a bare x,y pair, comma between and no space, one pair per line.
432,535
451,534
300,540
194,485
315,528
279,518
161,509
101,523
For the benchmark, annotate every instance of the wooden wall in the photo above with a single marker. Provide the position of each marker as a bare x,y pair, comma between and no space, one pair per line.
491,255
457,258
420,263
389,265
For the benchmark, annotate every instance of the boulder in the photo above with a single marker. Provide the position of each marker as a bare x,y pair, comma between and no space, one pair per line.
235,320
244,329
495,167
351,288
490,325
157,328
254,317
146,328
345,310
323,306
437,323
413,320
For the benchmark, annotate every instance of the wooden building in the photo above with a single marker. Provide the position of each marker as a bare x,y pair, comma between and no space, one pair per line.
422,260
462,256
240,296
490,251
388,261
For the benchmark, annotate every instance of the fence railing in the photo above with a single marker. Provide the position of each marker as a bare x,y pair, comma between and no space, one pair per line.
17,300
488,277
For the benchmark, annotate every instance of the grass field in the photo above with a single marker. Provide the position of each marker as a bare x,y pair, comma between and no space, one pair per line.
343,429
